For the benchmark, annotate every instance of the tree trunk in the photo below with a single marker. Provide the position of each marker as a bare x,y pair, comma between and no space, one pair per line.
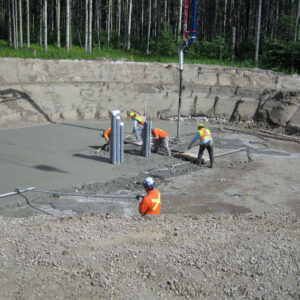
13,8
108,24
297,23
98,21
86,28
67,25
28,23
118,23
129,26
233,46
179,20
9,24
149,26
45,27
41,10
20,24
90,26
258,33
58,22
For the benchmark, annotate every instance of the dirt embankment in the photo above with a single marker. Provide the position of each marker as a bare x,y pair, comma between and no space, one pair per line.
64,90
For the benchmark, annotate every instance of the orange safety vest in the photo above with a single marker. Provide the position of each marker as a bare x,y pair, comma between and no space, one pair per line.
141,120
151,203
205,134
159,132
107,133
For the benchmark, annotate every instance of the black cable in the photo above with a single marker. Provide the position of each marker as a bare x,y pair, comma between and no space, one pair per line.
32,206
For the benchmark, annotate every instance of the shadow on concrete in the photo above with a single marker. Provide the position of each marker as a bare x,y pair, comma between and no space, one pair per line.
14,95
93,157
94,147
81,126
133,152
49,169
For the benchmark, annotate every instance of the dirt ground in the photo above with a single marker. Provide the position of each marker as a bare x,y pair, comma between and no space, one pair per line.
230,232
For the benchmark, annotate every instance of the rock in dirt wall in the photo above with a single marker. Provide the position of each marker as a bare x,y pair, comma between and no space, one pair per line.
69,90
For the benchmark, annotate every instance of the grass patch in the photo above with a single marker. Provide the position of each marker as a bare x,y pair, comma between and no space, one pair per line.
76,52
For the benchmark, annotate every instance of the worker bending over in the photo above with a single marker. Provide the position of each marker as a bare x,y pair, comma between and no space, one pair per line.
106,134
160,139
138,124
206,142
149,204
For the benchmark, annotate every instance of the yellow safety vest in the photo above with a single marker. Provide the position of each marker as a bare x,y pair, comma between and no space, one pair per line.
205,134
141,120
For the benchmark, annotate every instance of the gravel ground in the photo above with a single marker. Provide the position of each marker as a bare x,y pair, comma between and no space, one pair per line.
166,257
237,238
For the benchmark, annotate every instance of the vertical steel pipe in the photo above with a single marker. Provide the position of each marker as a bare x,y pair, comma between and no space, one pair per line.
118,139
149,130
113,141
121,142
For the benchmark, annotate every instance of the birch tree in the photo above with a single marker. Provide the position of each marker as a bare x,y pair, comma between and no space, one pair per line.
90,25
108,23
86,27
179,19
258,32
149,26
45,27
14,21
58,23
129,26
118,23
67,25
28,23
9,23
297,23
20,24
98,21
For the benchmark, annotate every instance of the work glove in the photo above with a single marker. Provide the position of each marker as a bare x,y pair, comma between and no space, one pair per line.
139,198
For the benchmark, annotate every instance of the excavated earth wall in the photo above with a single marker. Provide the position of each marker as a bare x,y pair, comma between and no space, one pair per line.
69,90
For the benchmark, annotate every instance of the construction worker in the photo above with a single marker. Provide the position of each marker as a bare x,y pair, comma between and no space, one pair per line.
149,204
106,134
206,142
138,124
160,138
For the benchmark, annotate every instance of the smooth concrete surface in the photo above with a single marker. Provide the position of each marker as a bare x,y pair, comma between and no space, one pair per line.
62,156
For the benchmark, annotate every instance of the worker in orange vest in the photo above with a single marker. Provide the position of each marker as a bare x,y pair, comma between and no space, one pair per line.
106,134
151,203
206,142
160,139
138,124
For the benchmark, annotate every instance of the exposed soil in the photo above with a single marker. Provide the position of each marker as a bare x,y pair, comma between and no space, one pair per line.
230,232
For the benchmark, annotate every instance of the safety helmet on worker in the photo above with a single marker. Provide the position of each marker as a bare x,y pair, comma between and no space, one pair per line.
149,183
201,125
132,114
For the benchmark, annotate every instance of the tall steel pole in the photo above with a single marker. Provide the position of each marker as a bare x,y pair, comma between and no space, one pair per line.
180,90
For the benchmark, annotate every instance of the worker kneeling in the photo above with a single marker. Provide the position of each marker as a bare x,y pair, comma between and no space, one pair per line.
106,134
149,204
160,139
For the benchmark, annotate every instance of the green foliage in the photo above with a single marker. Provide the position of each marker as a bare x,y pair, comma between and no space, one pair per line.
246,50
281,57
277,56
166,44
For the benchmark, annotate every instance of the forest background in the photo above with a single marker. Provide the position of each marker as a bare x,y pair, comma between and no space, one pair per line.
245,33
